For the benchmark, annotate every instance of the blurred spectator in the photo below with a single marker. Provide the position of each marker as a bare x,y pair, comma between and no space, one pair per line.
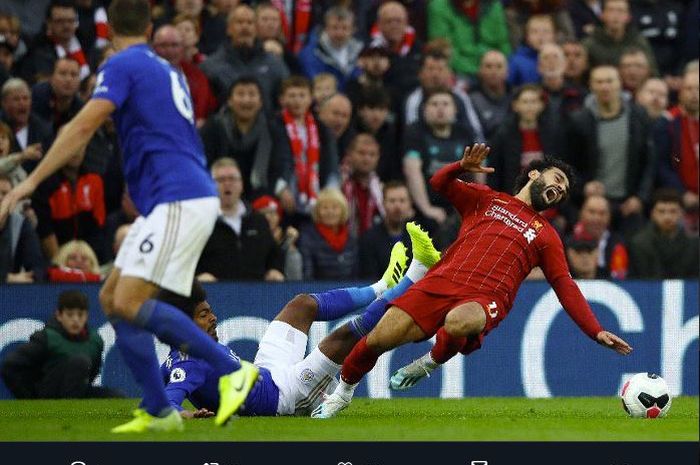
430,145
327,247
213,22
93,30
325,85
562,95
374,117
662,250
241,247
594,225
519,11
659,21
297,22
582,256
168,44
394,33
585,15
361,185
310,149
634,69
58,41
70,205
241,131
10,28
16,112
31,15
490,95
610,146
435,74
691,42
576,56
334,50
268,21
286,237
60,361
20,253
56,101
676,138
11,163
374,64
472,27
75,262
607,42
653,97
190,31
522,64
7,60
336,113
376,242
244,55
523,137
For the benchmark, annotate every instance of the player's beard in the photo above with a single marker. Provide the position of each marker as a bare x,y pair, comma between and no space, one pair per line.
537,195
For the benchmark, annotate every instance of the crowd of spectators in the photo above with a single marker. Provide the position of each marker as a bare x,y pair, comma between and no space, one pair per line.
322,121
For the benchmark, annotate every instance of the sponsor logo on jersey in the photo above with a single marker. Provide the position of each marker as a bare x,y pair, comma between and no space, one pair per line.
506,216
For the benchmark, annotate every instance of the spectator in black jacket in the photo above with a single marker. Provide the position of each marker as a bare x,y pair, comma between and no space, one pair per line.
490,95
241,247
328,249
60,361
21,260
241,131
611,147
56,101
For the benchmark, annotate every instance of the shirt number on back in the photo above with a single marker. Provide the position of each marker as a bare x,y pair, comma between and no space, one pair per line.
181,96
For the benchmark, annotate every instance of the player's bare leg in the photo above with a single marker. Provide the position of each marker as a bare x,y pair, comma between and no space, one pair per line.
394,329
462,321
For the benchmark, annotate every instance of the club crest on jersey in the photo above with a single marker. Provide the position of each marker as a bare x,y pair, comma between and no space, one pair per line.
536,225
178,375
306,376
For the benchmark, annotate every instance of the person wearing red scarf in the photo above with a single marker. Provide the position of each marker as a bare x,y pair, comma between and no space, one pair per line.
327,248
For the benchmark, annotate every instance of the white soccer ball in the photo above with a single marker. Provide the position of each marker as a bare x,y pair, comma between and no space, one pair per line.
646,395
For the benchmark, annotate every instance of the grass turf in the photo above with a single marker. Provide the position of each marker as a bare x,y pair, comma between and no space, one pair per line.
472,419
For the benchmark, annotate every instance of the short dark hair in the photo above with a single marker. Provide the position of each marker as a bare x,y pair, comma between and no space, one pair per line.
374,97
295,81
59,4
65,58
129,17
245,80
666,195
186,304
439,91
517,92
543,165
434,55
72,299
395,184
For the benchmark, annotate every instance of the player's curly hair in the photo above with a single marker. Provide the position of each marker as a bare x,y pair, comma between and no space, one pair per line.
542,165
186,304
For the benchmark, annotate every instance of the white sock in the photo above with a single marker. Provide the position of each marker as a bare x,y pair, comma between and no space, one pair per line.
379,288
345,390
416,270
428,361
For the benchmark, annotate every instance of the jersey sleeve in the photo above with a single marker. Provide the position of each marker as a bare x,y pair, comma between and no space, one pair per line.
113,82
556,271
185,377
463,195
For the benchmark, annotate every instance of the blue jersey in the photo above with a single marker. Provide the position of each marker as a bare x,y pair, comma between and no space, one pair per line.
194,379
163,156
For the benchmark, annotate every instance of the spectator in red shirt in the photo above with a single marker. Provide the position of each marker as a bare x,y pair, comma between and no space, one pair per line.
75,262
361,185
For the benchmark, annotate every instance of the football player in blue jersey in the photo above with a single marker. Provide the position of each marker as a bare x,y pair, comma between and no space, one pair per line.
289,383
165,170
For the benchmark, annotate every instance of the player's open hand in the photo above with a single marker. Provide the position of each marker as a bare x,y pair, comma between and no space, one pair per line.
9,202
199,413
473,157
613,342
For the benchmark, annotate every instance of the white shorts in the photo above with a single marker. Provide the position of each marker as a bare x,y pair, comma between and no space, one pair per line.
164,247
301,381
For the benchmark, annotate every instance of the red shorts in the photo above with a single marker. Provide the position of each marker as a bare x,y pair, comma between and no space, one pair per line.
429,309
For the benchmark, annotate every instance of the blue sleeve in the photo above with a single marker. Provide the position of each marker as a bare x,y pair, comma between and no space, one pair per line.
185,377
113,82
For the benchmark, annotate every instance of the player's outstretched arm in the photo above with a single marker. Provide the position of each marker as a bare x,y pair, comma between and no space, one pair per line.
473,157
614,342
72,138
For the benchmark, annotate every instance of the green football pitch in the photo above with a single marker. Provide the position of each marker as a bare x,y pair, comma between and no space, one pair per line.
472,419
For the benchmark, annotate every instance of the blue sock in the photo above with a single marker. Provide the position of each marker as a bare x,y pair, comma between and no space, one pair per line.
139,353
339,302
364,323
173,327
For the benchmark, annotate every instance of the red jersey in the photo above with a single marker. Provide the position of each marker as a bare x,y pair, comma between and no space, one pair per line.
500,241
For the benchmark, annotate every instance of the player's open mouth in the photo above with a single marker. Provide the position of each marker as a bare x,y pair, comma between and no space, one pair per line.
551,194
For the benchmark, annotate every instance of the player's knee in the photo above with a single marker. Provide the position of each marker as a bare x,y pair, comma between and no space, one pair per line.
304,303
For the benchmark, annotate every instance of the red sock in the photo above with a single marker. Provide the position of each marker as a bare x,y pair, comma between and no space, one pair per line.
360,361
446,346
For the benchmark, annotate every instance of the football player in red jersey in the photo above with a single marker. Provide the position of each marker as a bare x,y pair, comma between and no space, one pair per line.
472,288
